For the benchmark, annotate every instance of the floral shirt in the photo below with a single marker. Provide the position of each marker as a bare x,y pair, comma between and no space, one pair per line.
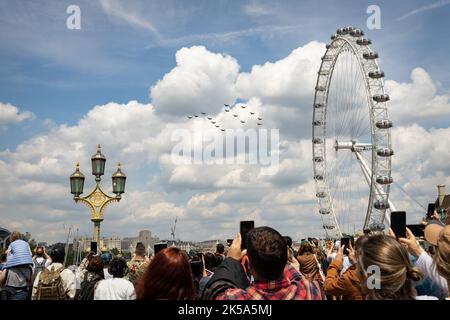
136,268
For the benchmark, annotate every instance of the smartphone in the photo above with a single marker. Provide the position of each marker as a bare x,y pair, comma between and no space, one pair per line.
200,255
245,227
230,241
430,211
196,268
94,247
417,229
345,241
157,247
398,223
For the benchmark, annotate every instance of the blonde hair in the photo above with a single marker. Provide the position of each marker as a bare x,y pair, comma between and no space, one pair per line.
397,275
15,235
442,265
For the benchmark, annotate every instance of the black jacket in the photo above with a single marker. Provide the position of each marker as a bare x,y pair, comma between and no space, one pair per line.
229,275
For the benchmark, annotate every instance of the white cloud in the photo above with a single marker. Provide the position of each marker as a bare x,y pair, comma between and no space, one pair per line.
115,9
418,100
202,81
257,9
438,4
10,114
209,199
289,81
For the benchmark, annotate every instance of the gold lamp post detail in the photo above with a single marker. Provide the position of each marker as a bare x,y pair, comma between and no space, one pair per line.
97,200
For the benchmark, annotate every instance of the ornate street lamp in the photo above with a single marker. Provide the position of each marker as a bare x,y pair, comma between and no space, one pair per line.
98,164
118,181
76,182
97,200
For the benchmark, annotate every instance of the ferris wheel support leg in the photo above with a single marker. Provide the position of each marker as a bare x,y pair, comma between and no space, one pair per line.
368,175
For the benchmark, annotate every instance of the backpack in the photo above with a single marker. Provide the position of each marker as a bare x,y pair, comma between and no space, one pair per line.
50,285
88,286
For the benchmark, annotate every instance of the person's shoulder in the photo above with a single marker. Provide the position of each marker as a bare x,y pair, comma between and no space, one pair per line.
67,272
235,294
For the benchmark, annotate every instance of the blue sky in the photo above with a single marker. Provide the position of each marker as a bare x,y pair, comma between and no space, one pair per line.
60,74
125,47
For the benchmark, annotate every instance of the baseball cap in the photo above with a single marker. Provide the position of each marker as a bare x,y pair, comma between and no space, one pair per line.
106,257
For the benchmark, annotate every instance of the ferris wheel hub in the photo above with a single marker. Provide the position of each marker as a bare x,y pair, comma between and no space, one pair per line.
352,145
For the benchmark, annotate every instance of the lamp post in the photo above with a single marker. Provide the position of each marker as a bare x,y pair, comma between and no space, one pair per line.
97,200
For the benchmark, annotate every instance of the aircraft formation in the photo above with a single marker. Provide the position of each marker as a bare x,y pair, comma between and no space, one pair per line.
238,115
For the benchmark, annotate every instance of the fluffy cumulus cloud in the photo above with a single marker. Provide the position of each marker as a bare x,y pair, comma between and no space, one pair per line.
210,199
202,81
10,114
418,100
289,81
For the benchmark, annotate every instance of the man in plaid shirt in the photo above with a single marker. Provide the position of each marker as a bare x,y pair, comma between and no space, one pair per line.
274,278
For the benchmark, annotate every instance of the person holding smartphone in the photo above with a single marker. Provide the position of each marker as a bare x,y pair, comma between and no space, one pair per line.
347,283
274,278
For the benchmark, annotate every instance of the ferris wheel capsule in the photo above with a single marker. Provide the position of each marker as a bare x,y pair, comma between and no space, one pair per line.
363,41
370,55
319,105
356,33
384,124
385,152
318,177
384,179
324,211
320,88
381,97
317,122
327,58
317,141
381,205
318,159
377,74
321,194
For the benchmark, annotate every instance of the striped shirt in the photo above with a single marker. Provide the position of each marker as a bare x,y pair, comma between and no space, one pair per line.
19,253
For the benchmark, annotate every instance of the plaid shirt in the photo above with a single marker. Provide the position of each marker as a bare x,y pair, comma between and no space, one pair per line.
290,286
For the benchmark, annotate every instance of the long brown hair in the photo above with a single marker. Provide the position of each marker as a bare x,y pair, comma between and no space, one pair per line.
168,276
397,275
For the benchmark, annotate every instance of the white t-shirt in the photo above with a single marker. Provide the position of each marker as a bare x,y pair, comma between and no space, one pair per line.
115,289
106,274
41,259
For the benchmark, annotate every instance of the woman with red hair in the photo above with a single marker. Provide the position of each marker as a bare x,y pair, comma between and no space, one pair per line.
167,277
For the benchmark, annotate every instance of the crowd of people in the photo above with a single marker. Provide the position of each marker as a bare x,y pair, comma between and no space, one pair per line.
373,266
